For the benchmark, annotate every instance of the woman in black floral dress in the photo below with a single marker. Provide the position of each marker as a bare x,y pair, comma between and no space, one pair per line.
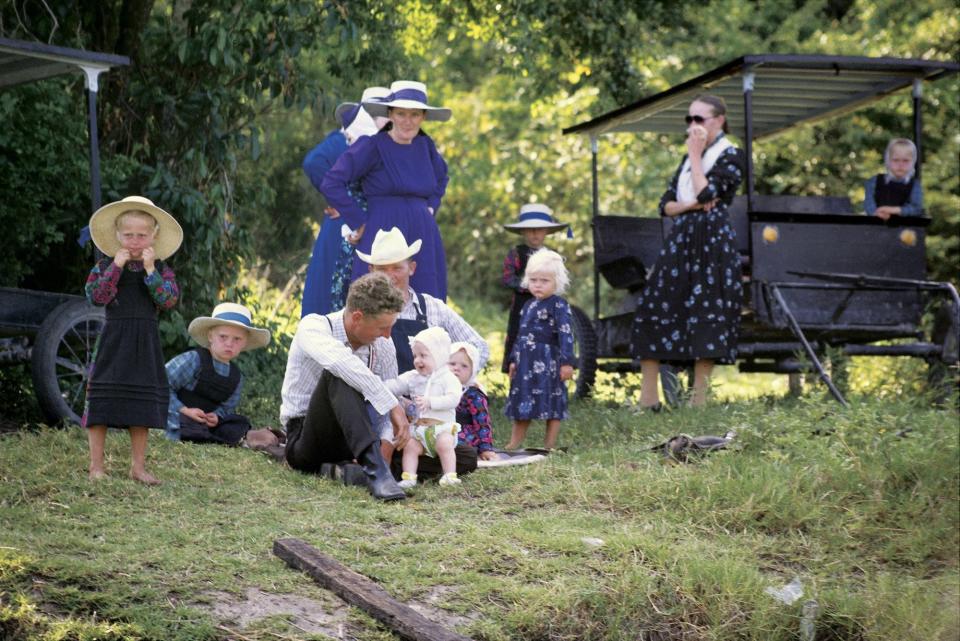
690,309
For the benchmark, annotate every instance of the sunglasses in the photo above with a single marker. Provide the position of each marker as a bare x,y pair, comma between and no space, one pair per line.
697,119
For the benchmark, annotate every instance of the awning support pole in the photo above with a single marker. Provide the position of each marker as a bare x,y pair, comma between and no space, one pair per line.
748,77
918,123
91,75
594,147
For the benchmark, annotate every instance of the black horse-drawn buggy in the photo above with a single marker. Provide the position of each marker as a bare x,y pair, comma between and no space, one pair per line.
55,331
818,276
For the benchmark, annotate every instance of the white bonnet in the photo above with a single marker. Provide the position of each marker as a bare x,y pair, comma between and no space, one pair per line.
437,341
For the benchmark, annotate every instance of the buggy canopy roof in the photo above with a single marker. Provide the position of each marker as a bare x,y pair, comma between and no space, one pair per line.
22,61
787,90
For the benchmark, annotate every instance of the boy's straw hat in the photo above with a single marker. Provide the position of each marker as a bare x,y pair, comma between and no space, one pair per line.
407,94
535,216
389,247
228,314
103,226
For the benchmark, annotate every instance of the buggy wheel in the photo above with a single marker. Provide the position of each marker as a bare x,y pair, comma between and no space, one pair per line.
584,351
62,359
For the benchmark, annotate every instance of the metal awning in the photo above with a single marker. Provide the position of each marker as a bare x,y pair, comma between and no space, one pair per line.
22,61
787,90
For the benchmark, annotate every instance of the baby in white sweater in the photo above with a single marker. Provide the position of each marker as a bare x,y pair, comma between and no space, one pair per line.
436,392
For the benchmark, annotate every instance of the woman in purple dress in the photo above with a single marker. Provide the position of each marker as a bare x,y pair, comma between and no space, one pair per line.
403,178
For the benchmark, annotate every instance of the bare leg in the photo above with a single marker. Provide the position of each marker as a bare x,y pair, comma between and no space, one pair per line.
701,382
448,458
138,456
386,448
411,453
553,431
649,394
519,433
97,437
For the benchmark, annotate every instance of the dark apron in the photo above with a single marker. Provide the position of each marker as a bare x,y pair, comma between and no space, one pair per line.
405,329
210,392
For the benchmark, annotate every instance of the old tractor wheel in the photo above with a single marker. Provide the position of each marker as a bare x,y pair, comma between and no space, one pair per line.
62,359
585,352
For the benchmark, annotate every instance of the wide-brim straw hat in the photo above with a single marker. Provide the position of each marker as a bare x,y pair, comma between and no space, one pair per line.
348,109
389,247
229,314
407,94
535,216
103,226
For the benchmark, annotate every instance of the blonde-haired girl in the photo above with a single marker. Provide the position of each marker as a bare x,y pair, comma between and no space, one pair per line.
542,356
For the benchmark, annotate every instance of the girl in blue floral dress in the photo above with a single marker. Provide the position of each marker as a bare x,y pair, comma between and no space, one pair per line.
690,309
542,356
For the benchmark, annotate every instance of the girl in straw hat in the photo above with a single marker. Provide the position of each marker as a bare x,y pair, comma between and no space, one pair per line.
128,384
331,263
535,223
205,384
404,178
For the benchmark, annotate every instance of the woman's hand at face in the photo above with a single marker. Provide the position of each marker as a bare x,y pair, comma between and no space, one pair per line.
696,140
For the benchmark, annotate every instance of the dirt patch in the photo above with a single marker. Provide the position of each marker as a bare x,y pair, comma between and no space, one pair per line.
428,606
312,616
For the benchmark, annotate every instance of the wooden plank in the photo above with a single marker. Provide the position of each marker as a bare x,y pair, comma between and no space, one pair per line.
361,592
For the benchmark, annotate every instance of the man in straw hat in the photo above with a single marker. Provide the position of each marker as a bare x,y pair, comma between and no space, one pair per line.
328,273
205,385
391,255
335,405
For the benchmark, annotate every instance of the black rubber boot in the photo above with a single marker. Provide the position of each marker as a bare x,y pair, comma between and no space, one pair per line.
381,483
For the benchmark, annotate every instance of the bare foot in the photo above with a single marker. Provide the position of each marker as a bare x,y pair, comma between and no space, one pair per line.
96,474
144,477
512,446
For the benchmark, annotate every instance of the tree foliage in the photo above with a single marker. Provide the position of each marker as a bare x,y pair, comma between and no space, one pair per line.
179,124
224,99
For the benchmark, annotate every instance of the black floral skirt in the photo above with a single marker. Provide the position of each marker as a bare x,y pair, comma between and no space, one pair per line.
690,309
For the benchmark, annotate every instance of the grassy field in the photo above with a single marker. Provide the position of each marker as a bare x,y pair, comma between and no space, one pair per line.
602,542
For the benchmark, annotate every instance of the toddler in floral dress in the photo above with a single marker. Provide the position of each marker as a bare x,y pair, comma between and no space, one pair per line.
473,413
542,356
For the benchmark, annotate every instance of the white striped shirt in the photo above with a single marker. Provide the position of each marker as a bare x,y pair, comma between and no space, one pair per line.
320,345
440,315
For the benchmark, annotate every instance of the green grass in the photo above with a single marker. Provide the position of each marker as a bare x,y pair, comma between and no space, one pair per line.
866,519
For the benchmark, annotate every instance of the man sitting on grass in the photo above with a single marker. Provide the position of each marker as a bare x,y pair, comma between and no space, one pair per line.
335,405
390,255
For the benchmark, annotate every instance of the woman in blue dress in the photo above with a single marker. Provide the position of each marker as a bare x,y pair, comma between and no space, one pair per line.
690,309
542,355
331,264
403,178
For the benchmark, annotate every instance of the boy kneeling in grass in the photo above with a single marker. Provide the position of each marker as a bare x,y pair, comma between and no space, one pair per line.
204,385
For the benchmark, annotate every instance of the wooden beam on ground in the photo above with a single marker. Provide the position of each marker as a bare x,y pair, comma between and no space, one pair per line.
360,591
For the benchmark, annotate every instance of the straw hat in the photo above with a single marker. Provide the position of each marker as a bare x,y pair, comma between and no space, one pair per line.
347,111
389,247
535,216
103,226
228,314
407,94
